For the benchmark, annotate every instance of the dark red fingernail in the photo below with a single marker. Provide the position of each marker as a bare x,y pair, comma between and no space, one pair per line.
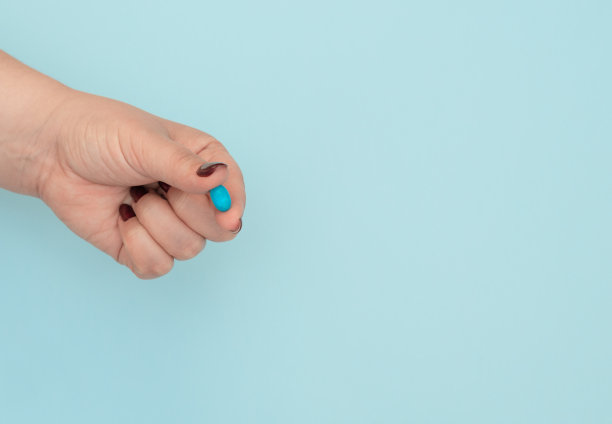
164,186
126,212
237,230
207,169
137,192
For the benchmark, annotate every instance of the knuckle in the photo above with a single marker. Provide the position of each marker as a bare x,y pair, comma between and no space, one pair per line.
163,267
191,249
131,235
214,144
139,272
153,269
211,147
204,139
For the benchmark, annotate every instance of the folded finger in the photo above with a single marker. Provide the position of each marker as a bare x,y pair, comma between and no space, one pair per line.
198,212
140,252
163,224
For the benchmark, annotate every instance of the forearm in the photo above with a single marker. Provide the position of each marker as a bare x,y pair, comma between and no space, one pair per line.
27,101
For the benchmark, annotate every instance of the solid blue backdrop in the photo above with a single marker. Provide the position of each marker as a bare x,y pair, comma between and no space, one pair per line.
428,227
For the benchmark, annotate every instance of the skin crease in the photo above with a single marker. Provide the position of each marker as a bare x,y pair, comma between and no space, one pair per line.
81,153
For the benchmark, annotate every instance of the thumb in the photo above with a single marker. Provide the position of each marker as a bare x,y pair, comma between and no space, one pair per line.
163,159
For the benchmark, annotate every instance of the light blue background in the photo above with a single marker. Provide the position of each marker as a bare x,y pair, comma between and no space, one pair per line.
428,230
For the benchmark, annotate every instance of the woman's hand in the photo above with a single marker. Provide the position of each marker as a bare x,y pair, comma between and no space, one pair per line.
132,184
106,154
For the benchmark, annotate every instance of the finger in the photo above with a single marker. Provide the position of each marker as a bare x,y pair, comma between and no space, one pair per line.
163,159
140,252
213,151
232,218
166,228
197,211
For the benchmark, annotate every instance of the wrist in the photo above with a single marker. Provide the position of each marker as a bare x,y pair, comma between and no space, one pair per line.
27,143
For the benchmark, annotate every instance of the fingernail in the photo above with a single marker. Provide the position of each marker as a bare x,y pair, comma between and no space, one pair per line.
137,192
237,230
126,212
164,186
207,169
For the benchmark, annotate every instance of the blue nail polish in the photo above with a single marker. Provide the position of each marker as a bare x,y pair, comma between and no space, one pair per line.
221,198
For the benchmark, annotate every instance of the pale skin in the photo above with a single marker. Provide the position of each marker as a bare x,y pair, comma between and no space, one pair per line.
81,154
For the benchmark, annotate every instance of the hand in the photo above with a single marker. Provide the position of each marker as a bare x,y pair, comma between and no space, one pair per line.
98,150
